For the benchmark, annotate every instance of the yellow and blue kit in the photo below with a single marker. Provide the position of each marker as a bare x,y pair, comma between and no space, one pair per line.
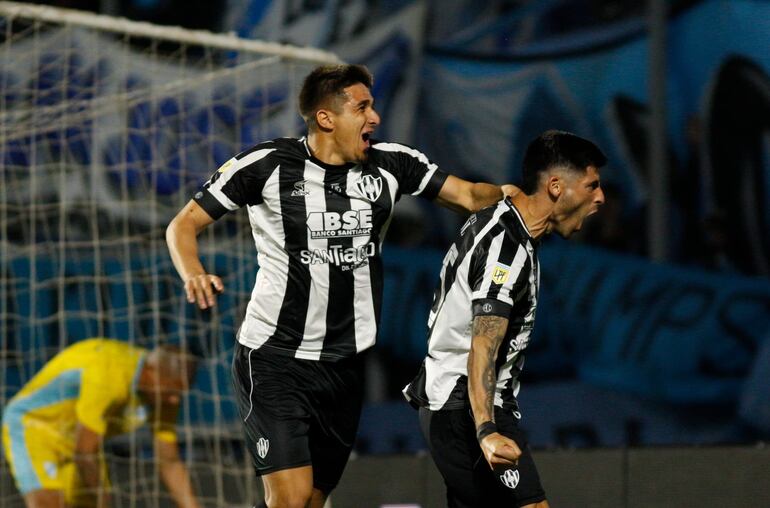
93,383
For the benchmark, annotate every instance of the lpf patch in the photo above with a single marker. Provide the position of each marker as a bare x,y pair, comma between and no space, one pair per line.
500,274
224,167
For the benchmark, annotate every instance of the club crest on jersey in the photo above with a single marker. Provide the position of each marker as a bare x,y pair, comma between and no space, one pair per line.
299,189
500,273
370,186
510,478
263,445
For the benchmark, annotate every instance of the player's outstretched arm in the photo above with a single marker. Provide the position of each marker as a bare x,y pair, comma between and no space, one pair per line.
175,475
463,196
488,334
88,446
182,239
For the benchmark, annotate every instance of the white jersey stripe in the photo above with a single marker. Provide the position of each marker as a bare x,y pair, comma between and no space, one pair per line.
318,298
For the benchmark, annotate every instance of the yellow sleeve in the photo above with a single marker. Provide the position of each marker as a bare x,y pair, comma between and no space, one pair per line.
97,394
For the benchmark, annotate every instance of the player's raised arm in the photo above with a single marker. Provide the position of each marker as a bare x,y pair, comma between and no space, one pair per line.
488,334
463,196
182,239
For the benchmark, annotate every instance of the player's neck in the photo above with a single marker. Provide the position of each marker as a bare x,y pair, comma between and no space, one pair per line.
324,148
535,211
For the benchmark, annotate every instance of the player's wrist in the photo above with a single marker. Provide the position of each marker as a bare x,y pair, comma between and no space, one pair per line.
485,429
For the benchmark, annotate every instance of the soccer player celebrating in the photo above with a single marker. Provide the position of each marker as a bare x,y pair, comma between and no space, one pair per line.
480,324
319,207
54,427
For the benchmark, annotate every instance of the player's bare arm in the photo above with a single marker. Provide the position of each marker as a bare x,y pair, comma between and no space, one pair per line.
463,196
88,445
174,474
182,239
488,334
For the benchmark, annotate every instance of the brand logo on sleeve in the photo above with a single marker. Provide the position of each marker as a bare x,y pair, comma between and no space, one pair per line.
370,186
500,273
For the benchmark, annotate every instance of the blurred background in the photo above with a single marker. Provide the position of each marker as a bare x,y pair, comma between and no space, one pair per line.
654,324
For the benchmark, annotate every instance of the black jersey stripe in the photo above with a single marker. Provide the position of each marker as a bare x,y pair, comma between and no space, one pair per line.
339,312
293,313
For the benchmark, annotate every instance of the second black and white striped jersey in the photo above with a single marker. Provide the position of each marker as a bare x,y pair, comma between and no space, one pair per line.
491,270
318,230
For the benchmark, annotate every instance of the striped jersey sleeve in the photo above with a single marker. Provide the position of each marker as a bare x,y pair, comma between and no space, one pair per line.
415,173
238,182
498,274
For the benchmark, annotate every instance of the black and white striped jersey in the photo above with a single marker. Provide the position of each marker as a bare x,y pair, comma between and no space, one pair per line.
318,230
491,269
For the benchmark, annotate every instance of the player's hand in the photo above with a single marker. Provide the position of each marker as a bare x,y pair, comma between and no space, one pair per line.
500,451
203,289
509,190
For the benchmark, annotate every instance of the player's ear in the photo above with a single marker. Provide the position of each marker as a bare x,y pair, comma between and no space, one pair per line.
554,186
324,119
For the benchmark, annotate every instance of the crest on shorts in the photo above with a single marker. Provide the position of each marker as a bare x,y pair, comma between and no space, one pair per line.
370,187
500,273
263,445
510,478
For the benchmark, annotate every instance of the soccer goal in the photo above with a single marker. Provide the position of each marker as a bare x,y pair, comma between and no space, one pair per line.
107,127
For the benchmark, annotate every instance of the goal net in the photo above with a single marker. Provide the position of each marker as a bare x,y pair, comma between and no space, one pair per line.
107,127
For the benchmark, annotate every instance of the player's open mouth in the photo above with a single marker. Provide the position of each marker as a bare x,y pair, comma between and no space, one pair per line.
365,137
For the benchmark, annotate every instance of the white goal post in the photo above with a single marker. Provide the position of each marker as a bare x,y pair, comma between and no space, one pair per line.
107,127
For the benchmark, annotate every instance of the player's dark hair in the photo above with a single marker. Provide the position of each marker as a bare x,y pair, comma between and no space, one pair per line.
171,361
558,148
324,86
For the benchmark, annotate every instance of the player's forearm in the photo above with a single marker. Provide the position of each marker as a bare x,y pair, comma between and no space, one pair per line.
182,241
481,380
177,481
90,471
488,333
484,195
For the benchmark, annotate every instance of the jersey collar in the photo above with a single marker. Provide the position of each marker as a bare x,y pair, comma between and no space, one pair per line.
515,211
322,164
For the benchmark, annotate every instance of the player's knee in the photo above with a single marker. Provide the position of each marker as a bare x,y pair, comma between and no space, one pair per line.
289,498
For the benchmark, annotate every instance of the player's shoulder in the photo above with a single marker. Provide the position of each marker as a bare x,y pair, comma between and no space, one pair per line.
288,145
271,151
384,153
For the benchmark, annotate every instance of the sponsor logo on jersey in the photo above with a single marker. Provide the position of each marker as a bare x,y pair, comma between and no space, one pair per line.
339,225
370,186
263,445
510,478
487,307
334,188
470,222
339,255
520,342
500,273
299,189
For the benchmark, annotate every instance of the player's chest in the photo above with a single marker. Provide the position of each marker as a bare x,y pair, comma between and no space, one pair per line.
331,201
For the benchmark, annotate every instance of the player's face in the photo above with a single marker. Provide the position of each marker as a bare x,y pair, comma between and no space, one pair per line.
164,391
581,196
355,123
